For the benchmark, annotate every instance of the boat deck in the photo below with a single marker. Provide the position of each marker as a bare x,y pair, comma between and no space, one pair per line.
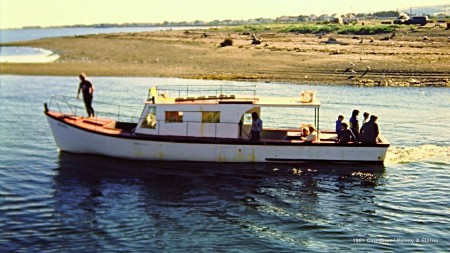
100,125
123,129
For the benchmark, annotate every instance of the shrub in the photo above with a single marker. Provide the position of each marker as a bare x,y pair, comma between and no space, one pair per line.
227,42
367,30
310,28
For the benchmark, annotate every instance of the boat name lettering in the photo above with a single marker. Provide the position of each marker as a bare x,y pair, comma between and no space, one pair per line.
137,143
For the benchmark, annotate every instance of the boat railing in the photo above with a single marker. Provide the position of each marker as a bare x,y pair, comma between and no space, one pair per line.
75,107
192,92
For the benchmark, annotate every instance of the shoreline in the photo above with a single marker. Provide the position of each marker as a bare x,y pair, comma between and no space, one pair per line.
29,55
420,59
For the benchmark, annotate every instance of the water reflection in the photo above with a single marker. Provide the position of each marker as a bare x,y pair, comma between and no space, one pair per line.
171,179
177,205
169,183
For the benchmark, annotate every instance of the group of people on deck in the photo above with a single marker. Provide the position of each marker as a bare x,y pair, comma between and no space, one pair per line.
367,134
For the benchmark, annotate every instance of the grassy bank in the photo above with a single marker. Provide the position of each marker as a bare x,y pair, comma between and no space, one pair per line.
310,28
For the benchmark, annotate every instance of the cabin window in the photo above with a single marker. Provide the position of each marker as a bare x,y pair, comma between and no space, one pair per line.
174,116
210,117
150,118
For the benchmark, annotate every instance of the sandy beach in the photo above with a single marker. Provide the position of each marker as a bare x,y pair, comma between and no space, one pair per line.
404,58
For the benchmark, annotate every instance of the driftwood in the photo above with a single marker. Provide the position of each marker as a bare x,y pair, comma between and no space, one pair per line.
202,34
256,40
332,40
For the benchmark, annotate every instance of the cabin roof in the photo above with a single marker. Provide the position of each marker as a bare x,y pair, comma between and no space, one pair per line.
257,101
211,95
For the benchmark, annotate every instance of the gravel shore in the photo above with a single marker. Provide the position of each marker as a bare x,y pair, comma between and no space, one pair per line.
404,58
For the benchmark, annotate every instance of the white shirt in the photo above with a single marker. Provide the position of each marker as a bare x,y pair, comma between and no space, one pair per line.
312,136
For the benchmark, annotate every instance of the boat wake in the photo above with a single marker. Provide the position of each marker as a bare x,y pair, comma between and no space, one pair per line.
423,153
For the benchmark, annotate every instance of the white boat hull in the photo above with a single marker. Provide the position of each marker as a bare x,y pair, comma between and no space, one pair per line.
73,139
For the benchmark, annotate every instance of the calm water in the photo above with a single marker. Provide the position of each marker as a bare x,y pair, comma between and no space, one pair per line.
9,54
58,202
11,35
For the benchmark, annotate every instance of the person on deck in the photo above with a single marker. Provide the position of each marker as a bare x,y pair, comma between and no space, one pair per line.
354,123
88,94
256,127
346,135
313,135
371,131
304,133
339,124
366,119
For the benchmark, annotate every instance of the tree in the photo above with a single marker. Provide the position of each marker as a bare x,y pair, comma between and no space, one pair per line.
386,14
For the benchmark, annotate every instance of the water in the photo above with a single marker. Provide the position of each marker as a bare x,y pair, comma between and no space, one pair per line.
27,54
12,35
58,202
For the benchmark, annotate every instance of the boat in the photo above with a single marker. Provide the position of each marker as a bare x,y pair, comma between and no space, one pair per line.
203,124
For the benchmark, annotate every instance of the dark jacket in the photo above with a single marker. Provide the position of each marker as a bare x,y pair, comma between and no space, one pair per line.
370,133
345,136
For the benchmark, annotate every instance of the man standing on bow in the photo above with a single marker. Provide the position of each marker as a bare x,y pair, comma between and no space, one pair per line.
88,94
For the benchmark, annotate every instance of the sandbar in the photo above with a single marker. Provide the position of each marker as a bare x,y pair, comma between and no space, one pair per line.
419,58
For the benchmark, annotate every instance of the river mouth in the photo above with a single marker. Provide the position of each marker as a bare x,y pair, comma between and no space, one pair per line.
26,55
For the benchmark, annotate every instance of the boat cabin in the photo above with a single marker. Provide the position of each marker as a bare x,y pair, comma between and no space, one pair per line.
219,115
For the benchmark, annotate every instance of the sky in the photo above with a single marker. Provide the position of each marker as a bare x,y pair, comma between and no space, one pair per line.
19,13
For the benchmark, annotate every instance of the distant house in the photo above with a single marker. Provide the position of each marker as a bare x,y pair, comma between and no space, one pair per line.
287,19
343,18
303,18
262,20
324,17
312,17
349,18
441,16
337,20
